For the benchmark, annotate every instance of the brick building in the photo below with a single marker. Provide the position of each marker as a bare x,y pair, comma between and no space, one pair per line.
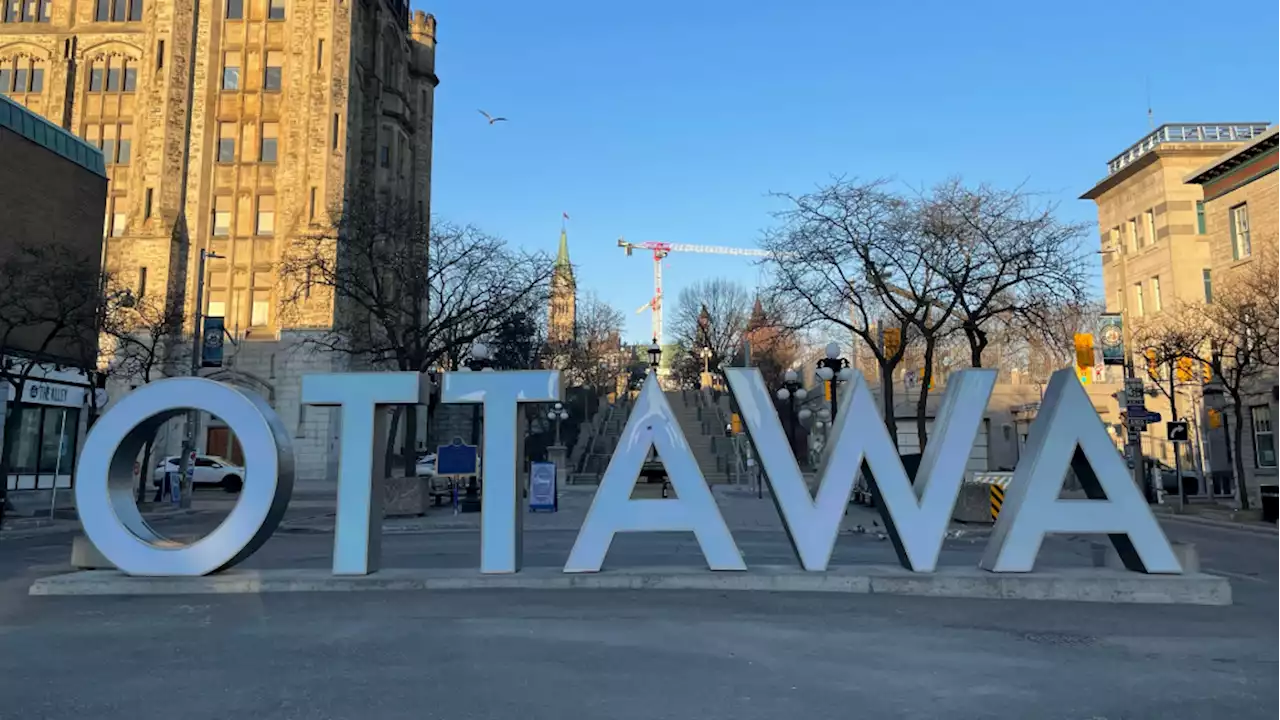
294,104
54,185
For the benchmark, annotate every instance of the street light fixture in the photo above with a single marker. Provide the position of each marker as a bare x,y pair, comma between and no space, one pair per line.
655,355
790,392
834,369
557,415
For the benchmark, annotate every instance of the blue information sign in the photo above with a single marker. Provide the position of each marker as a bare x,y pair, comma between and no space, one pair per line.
542,486
457,458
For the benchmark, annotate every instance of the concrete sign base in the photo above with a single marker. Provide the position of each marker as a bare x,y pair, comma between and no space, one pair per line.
1073,584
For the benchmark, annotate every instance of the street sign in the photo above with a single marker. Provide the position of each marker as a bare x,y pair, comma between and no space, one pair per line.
1177,430
1133,392
1153,417
1135,436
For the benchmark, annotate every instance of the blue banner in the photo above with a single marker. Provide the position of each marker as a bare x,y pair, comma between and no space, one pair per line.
211,347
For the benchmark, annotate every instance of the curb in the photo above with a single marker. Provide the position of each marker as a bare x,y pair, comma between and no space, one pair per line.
1070,584
1252,529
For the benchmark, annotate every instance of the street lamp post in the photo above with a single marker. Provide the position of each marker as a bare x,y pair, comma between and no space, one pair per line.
557,415
834,369
655,355
193,417
790,392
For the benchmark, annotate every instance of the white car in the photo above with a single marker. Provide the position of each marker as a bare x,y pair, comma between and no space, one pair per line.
211,470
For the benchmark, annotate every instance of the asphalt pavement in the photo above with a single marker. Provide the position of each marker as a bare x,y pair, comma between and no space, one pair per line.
551,654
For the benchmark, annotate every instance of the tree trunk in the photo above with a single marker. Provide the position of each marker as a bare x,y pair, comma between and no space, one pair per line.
144,470
410,452
12,419
886,393
1238,443
922,403
978,342
389,452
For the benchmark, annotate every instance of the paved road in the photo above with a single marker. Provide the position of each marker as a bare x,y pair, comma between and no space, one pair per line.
633,655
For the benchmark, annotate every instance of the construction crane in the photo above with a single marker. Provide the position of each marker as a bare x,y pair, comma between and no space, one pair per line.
661,250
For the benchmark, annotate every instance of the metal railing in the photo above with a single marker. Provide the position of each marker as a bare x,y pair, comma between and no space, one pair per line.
1186,133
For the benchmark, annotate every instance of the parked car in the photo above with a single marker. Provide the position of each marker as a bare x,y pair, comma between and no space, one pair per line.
210,471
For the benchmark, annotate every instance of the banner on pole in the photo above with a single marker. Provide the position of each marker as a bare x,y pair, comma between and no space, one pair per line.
211,345
542,486
1111,333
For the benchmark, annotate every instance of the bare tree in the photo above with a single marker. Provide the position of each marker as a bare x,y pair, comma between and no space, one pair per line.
595,359
1002,256
712,314
409,295
846,256
49,298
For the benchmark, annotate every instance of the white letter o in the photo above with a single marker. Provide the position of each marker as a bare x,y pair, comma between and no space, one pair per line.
105,482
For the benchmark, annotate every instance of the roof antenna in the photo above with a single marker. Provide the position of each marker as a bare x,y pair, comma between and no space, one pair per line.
1151,117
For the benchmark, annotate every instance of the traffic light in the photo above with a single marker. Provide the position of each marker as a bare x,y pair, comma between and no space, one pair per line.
1153,366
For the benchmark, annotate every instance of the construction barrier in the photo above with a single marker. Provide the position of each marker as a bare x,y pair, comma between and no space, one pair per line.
997,499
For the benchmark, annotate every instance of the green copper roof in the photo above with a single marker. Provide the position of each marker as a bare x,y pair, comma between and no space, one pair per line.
42,132
562,256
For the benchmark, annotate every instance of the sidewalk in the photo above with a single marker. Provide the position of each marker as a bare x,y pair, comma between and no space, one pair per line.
743,511
1215,516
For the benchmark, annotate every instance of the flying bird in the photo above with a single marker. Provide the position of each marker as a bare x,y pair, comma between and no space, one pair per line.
490,118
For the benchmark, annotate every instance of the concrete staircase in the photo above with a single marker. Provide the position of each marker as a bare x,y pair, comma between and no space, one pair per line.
598,448
702,428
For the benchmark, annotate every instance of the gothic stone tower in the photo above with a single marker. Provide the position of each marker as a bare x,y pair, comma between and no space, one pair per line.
562,316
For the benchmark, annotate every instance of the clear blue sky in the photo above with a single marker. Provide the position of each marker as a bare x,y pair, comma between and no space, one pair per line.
673,121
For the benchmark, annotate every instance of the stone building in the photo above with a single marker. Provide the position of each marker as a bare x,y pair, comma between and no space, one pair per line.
1241,201
562,316
294,105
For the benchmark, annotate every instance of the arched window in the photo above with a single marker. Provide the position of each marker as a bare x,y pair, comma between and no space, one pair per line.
21,76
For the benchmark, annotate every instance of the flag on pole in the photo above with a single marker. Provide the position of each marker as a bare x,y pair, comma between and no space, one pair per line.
566,215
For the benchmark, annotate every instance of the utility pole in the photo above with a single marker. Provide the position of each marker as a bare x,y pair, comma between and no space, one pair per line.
180,229
1177,451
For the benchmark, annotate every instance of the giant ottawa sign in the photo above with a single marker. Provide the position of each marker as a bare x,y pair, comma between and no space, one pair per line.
1066,434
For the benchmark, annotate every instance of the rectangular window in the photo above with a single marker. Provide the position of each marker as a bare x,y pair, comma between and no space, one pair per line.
124,148
1131,230
384,156
226,142
311,208
222,216
21,77
159,54
9,11
37,79
119,10
231,71
1199,217
135,10
275,9
130,78
6,79
217,305
1157,303
142,282
102,11
109,143
336,131
260,309
319,54
1138,307
146,204
1264,437
269,146
28,10
1208,285
266,215
117,224
113,78
95,78
46,10
1240,245
273,76
1149,226
235,9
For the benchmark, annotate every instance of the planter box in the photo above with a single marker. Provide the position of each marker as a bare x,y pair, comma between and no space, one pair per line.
405,497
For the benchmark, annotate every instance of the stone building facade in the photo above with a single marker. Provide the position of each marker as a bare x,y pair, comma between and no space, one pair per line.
1156,253
1241,202
294,105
